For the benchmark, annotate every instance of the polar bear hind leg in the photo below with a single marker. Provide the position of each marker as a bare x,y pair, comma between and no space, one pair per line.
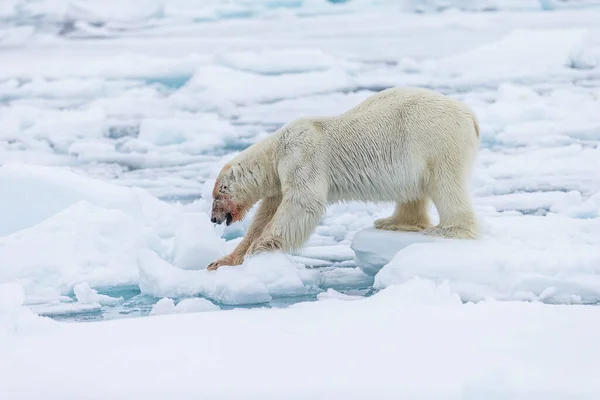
448,189
409,217
457,218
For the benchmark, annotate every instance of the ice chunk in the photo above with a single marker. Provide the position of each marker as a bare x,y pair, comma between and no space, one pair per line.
167,306
198,131
33,193
373,248
432,6
15,36
570,203
472,351
550,259
65,127
278,61
114,13
196,244
83,243
215,84
255,281
332,294
11,297
417,291
59,308
344,277
334,253
313,262
14,317
531,53
86,295
281,275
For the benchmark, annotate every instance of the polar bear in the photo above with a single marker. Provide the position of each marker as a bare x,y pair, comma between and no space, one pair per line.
402,145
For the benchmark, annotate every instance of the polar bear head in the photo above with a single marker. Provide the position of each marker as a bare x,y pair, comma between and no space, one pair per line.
243,181
226,206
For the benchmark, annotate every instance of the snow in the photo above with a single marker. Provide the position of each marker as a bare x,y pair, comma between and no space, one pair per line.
14,318
535,52
91,233
374,248
167,306
56,308
550,259
257,280
81,243
32,194
405,334
192,249
86,295
332,294
216,84
117,116
11,297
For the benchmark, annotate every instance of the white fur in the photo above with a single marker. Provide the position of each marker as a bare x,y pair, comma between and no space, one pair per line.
403,145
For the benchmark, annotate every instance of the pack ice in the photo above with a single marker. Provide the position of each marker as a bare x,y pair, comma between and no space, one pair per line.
116,116
87,232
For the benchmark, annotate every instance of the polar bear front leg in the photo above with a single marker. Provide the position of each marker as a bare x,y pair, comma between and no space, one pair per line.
264,214
293,223
304,189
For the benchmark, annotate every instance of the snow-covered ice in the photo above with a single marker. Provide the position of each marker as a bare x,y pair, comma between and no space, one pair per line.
533,258
393,344
168,306
374,248
256,281
115,118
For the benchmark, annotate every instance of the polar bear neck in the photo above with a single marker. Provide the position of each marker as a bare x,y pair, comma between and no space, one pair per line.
255,173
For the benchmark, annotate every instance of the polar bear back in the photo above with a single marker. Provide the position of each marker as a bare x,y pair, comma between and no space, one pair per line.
384,148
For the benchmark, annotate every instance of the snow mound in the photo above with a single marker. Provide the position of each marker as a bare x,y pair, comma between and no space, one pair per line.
428,6
417,292
271,62
33,193
552,259
218,85
473,351
193,248
83,243
86,295
373,248
57,308
257,280
519,54
11,297
332,294
344,277
14,317
89,232
167,306
194,132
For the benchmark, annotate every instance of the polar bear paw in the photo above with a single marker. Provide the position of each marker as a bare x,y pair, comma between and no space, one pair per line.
392,224
230,260
452,232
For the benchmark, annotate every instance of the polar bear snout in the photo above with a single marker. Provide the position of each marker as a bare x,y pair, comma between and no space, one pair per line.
221,212
219,219
224,210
